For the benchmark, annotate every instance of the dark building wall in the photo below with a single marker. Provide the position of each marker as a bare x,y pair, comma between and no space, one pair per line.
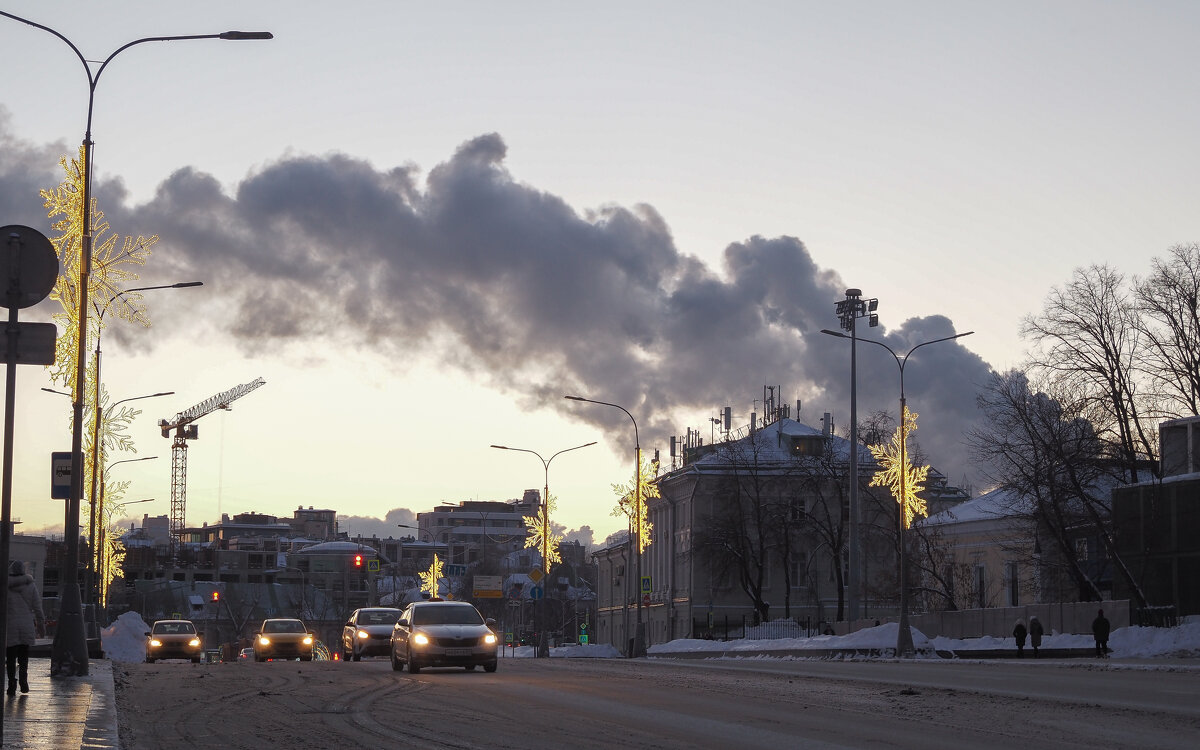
1158,537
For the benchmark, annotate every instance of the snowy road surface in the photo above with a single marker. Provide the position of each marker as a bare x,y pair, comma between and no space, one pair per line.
659,703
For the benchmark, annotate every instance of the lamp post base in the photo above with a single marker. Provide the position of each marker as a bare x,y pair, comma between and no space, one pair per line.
69,652
639,641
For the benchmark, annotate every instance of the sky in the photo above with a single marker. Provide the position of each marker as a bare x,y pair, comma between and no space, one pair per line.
423,226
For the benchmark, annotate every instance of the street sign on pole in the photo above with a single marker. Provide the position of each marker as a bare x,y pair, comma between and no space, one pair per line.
646,587
60,475
535,592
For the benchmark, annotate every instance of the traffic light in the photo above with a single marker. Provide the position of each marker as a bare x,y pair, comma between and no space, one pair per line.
216,596
358,561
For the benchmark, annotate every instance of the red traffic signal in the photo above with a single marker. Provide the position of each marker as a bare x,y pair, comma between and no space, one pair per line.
358,561
216,596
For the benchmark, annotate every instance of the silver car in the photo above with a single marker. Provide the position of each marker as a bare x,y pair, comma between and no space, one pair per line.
443,634
368,632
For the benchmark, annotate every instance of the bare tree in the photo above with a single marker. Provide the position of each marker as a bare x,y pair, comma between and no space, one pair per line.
1043,447
1088,341
1169,302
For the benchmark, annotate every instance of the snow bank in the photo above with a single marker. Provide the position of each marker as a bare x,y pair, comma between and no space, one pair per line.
125,639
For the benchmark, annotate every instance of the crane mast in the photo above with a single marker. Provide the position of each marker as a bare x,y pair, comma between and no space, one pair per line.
181,429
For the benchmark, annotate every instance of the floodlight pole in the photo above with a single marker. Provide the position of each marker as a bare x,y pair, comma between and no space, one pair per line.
904,641
850,310
69,653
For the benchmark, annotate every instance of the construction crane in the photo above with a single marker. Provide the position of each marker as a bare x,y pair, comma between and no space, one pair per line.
185,430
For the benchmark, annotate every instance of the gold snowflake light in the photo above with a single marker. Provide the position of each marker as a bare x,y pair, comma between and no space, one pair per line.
540,536
628,505
430,578
896,473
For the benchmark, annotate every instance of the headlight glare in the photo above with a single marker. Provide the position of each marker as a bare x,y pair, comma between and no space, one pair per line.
264,640
194,643
490,639
155,643
363,634
308,640
421,639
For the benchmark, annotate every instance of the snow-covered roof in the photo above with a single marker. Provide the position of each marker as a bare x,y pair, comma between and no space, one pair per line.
338,548
991,506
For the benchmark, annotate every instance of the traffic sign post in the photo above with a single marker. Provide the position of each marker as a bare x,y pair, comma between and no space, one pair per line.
28,272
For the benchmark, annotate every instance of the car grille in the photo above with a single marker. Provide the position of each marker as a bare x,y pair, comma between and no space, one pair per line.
457,642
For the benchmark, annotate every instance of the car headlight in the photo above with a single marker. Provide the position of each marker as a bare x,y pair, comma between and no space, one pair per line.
490,639
308,640
421,639
363,634
194,643
265,641
155,643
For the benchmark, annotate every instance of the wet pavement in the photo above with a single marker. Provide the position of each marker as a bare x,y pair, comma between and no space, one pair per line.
63,712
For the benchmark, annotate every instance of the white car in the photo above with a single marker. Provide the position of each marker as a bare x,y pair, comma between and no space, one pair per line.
368,632
439,633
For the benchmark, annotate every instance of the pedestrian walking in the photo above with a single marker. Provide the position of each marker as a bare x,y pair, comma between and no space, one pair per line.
1019,633
1035,634
26,622
1100,628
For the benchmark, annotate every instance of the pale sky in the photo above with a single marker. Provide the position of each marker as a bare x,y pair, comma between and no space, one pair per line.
424,223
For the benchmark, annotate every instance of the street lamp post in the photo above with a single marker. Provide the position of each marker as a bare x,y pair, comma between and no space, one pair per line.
69,653
904,642
543,640
97,412
100,596
639,636
849,311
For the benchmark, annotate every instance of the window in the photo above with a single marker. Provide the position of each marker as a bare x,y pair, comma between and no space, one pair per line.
1014,584
799,569
797,508
980,586
1081,549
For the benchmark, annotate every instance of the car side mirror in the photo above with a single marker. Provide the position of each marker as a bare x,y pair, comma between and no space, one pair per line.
403,622
490,622
147,633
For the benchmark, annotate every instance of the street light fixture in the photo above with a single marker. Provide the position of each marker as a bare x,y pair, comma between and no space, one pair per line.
69,653
543,640
904,642
639,637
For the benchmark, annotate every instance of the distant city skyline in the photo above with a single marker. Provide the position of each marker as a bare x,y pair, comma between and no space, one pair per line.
423,226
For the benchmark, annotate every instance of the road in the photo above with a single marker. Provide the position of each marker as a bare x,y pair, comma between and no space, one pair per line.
657,703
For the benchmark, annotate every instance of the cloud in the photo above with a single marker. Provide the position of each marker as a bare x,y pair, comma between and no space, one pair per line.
530,295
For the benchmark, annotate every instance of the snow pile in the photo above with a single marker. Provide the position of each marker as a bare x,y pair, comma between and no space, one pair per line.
125,639
877,638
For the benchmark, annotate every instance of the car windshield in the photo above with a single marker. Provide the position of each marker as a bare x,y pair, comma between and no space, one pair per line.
446,615
283,626
173,628
379,617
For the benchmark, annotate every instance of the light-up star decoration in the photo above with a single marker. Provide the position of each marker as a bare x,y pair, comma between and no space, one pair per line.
430,578
540,536
904,480
639,518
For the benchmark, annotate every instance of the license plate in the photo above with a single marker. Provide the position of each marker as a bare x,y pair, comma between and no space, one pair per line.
458,652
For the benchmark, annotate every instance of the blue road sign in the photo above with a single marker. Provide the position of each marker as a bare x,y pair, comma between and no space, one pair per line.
535,593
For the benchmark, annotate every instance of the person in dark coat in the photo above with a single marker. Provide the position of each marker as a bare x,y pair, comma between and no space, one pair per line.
1035,634
1019,633
25,622
1100,628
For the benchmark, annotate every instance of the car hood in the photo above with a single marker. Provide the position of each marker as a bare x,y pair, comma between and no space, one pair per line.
453,631
376,629
174,637
285,637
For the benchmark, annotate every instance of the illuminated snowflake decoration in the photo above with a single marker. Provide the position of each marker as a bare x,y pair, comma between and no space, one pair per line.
110,270
639,519
539,534
904,480
431,577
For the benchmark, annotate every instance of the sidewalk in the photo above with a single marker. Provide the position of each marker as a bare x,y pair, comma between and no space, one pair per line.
63,712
